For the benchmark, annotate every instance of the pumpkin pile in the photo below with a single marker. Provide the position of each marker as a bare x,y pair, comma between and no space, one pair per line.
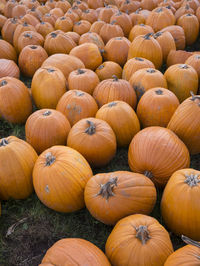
105,74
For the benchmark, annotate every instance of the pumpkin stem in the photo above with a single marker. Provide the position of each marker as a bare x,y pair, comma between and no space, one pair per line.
115,78
33,47
46,113
159,92
138,10
112,104
50,70
106,190
50,159
148,174
157,34
147,36
28,35
91,129
192,180
151,70
53,34
139,59
189,241
195,97
3,83
101,67
183,66
79,93
80,71
142,234
3,142
113,22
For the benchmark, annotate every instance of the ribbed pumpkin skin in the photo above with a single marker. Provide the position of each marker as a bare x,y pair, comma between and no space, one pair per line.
178,34
47,87
114,90
133,193
8,68
7,51
98,146
123,248
156,107
76,105
180,204
185,256
108,69
123,120
181,79
17,161
185,123
15,100
159,151
60,186
40,133
75,251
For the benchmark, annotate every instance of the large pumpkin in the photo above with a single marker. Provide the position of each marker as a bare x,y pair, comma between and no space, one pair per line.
94,139
112,196
59,178
157,152
123,120
40,133
17,161
74,251
180,203
133,241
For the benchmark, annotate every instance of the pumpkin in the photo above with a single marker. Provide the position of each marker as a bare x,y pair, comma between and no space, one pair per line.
140,29
64,23
181,79
166,42
7,51
183,10
178,34
134,64
2,21
108,69
72,15
156,107
157,152
89,54
8,29
137,18
39,131
145,79
133,241
129,6
148,4
81,27
92,37
107,194
30,19
177,57
56,12
18,159
96,26
187,255
185,123
113,90
35,12
194,4
31,58
64,173
194,61
75,9
75,36
94,4
180,203
15,100
19,10
8,68
44,28
76,105
89,15
29,38
83,79
65,63
8,8
57,42
123,120
81,4
75,251
123,20
47,87
110,30
116,50
147,47
64,5
106,13
190,24
49,18
94,139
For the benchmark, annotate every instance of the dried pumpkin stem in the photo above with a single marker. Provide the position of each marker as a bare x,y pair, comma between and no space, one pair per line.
139,59
50,159
151,70
192,180
183,66
53,34
148,174
115,78
195,97
3,83
3,142
91,129
189,241
147,36
80,71
112,104
79,93
106,190
47,113
159,92
142,234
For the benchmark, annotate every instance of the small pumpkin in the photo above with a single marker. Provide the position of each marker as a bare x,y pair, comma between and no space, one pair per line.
29,38
74,35
8,29
81,27
89,15
94,139
110,30
92,37
30,19
44,28
63,170
108,69
7,51
106,13
8,68
64,23
96,26
123,20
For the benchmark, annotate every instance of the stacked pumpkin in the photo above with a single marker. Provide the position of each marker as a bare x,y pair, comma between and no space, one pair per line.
96,81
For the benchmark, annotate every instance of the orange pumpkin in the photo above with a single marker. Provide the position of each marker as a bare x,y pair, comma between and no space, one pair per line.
8,29
8,68
75,36
111,196
140,29
94,139
76,105
47,87
39,131
64,173
185,123
110,30
177,57
108,69
64,23
113,90
123,20
133,240
157,152
178,34
180,203
89,15
92,37
7,51
29,38
71,251
30,19
96,26
18,159
156,107
15,100
194,61
81,27
123,120
44,28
